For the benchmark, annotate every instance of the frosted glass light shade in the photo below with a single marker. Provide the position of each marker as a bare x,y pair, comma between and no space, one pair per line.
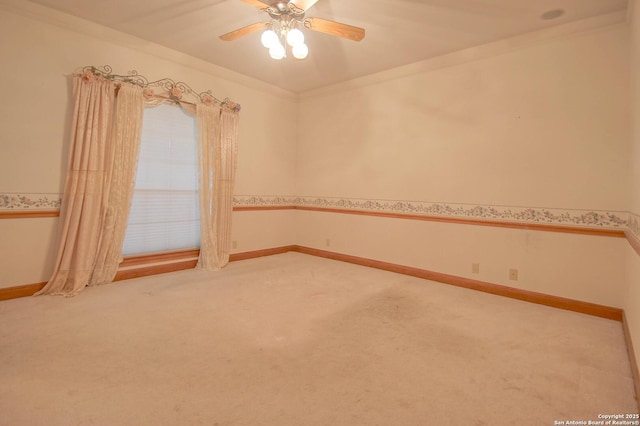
300,51
277,51
269,38
295,37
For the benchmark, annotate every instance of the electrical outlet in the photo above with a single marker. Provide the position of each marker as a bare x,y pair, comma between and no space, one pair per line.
513,274
475,268
234,244
327,242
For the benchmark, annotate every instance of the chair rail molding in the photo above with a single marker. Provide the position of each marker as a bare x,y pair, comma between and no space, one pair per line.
597,219
13,201
14,205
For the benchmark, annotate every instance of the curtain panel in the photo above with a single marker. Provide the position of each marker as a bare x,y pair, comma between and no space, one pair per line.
122,161
105,138
217,157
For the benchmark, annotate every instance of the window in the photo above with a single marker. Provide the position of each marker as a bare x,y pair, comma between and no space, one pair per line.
164,213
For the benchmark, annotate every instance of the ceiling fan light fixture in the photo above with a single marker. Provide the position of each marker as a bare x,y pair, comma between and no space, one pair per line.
269,38
282,31
277,51
295,37
300,51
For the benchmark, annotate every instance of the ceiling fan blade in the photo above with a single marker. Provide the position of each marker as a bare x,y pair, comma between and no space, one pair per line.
241,32
256,3
335,28
303,5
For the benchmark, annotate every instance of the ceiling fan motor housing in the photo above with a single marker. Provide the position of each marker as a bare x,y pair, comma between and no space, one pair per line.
282,9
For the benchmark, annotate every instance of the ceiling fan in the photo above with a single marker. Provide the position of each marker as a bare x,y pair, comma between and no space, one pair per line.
282,29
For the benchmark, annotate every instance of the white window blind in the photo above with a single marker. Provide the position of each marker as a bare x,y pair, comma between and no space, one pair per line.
164,213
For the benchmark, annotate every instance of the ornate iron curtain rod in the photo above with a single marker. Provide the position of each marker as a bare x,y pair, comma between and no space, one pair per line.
176,91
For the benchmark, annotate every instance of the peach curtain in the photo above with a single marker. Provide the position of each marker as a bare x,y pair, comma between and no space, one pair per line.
121,166
217,155
105,139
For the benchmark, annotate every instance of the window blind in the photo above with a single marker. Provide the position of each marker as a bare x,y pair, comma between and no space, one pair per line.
164,213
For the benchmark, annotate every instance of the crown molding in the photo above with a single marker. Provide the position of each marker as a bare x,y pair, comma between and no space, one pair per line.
475,53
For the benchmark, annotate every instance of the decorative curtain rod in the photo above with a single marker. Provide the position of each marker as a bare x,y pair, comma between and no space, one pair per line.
176,90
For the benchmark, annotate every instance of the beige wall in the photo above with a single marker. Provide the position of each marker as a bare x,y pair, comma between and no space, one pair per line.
634,184
632,299
579,267
545,125
40,51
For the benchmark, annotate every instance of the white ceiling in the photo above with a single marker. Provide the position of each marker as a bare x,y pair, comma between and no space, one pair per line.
398,32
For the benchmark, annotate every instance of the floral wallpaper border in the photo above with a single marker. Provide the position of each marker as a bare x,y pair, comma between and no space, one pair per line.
633,225
537,215
22,201
560,217
264,200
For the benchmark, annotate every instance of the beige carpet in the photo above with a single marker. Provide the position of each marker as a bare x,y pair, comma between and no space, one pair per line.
298,340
